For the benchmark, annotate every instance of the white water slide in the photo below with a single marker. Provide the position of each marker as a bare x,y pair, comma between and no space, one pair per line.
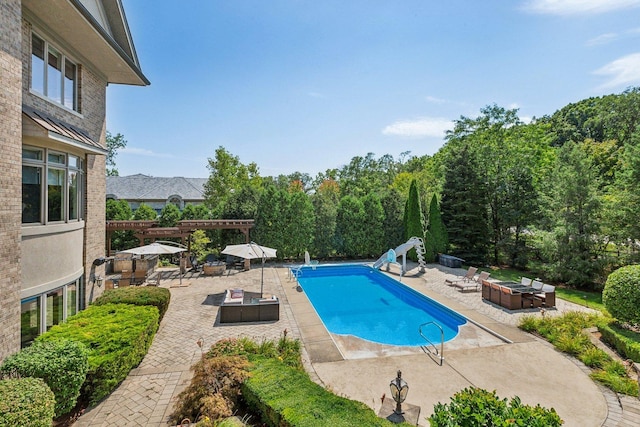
391,256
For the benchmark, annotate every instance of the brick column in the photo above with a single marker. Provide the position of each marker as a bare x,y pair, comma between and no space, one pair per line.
10,175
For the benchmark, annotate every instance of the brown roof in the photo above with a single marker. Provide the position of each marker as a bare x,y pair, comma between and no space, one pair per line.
61,128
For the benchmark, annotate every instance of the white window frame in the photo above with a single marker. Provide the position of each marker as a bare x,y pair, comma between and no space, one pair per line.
66,294
45,165
45,78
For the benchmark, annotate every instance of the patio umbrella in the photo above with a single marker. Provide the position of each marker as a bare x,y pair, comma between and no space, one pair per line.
251,251
156,249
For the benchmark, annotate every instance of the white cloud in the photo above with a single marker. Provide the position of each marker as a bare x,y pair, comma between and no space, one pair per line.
316,95
424,127
435,100
602,39
143,152
623,71
571,7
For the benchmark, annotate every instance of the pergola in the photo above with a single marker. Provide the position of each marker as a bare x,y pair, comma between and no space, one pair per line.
149,230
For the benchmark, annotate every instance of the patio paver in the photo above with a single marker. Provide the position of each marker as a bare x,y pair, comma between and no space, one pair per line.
146,396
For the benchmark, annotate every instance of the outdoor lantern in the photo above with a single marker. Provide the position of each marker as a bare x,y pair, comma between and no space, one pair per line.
399,390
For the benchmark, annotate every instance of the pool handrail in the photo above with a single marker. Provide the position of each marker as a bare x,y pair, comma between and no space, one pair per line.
426,348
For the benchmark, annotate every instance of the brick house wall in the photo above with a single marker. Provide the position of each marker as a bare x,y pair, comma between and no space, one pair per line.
91,118
11,177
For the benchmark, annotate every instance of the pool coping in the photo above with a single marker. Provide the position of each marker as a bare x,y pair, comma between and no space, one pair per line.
322,347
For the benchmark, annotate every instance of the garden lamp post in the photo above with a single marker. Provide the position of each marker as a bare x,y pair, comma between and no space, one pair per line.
399,390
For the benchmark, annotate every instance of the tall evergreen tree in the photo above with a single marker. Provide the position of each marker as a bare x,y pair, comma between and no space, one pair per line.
373,220
464,207
325,205
413,220
575,206
268,229
299,230
350,232
392,225
436,238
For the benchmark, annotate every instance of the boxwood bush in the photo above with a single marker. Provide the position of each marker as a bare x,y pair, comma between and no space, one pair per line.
137,295
621,294
477,407
626,342
117,336
63,366
285,396
26,402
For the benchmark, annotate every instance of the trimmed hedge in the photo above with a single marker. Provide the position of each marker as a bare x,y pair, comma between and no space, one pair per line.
117,336
63,365
137,295
26,402
621,294
626,342
477,407
286,397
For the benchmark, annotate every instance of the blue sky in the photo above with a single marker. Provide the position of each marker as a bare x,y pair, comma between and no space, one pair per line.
305,86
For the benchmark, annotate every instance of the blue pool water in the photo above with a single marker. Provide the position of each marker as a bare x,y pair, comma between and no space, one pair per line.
361,301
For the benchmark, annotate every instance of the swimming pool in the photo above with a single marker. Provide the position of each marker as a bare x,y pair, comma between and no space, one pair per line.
361,301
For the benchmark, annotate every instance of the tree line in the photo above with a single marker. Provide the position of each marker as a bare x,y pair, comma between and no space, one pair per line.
557,196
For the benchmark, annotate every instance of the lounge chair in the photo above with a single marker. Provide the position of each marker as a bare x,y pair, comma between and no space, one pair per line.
471,272
474,284
525,281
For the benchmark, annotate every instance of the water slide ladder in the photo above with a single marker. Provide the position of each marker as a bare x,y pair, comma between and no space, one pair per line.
419,245
431,348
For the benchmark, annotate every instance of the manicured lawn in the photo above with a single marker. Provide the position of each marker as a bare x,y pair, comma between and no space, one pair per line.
589,299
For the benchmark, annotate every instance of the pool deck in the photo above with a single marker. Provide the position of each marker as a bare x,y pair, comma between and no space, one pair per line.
505,359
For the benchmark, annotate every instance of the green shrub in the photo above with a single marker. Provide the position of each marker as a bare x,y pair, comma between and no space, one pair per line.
285,396
620,384
117,336
626,342
214,389
26,402
137,295
286,350
621,294
593,357
528,323
571,342
62,365
477,407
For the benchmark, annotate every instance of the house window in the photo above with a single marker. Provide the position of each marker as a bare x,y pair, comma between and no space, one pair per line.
58,192
176,200
41,312
53,74
29,320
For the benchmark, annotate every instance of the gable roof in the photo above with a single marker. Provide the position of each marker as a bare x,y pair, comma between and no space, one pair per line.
104,41
145,187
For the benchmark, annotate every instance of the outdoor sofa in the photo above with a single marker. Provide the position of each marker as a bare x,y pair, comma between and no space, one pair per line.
239,307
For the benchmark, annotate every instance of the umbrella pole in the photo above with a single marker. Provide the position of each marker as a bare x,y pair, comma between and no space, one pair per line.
262,278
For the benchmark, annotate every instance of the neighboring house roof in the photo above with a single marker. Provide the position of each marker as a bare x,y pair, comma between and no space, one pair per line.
145,187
